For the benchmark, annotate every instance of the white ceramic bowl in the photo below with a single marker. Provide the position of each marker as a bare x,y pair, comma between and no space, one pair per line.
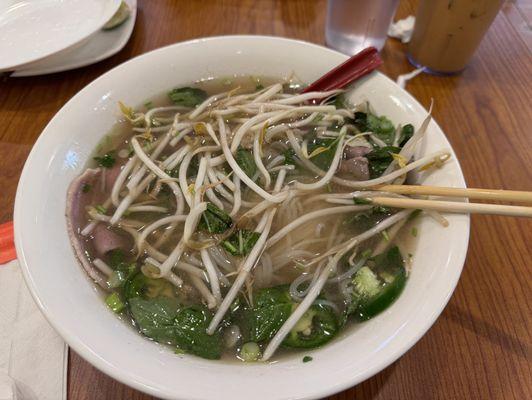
71,304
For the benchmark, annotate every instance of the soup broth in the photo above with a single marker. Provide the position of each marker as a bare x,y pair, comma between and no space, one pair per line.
233,218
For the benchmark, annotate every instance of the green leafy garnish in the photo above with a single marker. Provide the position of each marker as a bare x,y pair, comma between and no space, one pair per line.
214,220
139,285
322,158
187,96
379,159
289,156
361,121
191,324
241,242
406,133
414,231
148,105
307,359
363,221
272,308
155,318
245,160
108,160
382,127
161,320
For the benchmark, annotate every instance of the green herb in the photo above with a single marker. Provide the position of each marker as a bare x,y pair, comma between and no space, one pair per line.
107,160
414,231
100,209
363,221
241,242
155,318
179,351
361,201
382,127
86,188
379,159
329,188
259,86
307,359
114,302
271,309
361,121
385,235
191,324
148,105
161,320
406,133
187,96
122,270
116,257
214,220
289,156
139,285
245,160
339,101
324,159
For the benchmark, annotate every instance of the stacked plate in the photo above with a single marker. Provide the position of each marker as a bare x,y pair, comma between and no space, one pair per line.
44,36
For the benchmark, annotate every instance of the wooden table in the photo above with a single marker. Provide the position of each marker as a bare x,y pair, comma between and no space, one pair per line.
480,347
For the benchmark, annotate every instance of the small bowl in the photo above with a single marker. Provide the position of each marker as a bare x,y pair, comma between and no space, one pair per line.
75,309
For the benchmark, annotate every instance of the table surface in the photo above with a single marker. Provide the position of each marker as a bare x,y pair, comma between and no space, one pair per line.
480,347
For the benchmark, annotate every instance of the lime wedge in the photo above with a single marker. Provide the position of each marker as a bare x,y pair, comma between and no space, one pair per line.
119,18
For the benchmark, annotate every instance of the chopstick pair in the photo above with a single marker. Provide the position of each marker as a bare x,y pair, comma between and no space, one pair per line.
457,207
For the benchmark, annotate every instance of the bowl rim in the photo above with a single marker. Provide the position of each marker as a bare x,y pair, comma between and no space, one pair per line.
134,381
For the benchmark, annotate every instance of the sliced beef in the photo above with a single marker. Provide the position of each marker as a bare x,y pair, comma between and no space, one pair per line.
105,240
355,151
355,168
80,194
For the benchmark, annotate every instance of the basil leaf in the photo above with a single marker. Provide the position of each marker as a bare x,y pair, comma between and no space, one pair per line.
187,96
155,317
379,159
190,333
406,133
382,127
245,160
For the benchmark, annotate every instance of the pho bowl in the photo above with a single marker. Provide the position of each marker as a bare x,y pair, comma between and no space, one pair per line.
74,307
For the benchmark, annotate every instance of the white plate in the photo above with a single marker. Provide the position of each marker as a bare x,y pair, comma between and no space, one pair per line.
33,30
101,45
71,304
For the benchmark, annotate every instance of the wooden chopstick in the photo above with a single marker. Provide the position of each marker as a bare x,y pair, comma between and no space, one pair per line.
454,207
485,194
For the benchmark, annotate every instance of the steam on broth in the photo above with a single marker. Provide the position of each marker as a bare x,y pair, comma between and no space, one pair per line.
234,217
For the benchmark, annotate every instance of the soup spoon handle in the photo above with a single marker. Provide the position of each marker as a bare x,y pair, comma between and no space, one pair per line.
354,68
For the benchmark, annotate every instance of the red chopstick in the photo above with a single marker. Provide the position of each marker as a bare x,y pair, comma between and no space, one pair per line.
7,243
357,66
